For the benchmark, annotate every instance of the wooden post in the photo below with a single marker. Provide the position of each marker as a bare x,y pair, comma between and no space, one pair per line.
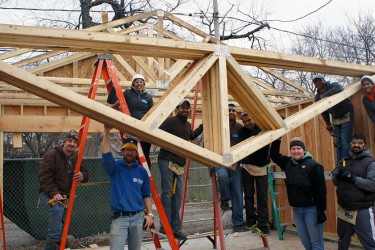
160,28
2,232
17,140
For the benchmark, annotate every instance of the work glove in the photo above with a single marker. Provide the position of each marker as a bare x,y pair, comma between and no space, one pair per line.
330,130
321,217
346,175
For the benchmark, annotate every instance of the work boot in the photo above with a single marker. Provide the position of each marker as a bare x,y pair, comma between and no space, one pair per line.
224,206
264,230
179,235
239,229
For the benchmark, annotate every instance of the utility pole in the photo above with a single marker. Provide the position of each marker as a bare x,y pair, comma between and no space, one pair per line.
216,20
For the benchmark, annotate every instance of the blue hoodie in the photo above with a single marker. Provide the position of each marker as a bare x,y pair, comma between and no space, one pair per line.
129,185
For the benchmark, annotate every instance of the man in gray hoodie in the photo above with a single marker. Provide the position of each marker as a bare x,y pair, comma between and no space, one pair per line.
355,180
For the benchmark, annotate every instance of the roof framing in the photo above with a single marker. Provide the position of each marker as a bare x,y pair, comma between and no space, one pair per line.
176,65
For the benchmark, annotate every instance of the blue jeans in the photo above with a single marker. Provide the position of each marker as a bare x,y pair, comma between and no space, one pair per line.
171,202
309,231
56,220
230,187
127,227
344,134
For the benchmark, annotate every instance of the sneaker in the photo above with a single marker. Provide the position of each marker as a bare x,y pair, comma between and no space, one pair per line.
224,206
161,230
179,236
250,226
239,229
264,230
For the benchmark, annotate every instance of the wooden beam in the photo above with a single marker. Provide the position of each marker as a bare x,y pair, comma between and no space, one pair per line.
145,68
243,89
59,63
38,58
220,89
287,81
44,124
17,140
191,28
166,104
88,41
160,28
13,53
125,64
293,121
106,115
134,28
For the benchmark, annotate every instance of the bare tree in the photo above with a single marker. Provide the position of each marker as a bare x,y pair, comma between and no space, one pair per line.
354,43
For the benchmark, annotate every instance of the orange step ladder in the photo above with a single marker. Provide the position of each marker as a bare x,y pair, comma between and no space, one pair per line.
104,66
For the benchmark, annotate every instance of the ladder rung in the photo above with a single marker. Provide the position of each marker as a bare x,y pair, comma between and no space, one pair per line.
200,235
108,82
203,185
198,220
198,203
284,208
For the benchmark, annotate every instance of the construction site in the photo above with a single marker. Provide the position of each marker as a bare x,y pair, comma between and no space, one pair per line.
57,95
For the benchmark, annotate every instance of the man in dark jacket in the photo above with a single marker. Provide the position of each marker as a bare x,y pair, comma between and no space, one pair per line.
171,166
254,172
355,180
56,174
342,115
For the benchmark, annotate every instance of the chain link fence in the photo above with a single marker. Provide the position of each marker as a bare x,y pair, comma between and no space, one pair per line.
26,217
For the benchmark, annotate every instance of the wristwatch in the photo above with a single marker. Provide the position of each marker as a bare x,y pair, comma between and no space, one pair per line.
151,214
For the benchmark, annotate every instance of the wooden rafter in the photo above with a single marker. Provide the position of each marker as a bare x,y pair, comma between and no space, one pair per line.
104,114
87,41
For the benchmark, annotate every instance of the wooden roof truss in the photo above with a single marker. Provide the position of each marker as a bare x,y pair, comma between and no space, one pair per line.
172,67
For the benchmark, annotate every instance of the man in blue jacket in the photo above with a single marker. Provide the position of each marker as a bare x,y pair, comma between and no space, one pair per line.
342,114
130,194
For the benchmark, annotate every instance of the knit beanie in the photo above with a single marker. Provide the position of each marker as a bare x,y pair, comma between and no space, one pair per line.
72,134
368,78
296,141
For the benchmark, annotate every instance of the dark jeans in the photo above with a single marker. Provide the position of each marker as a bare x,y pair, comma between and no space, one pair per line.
344,134
229,183
260,183
56,220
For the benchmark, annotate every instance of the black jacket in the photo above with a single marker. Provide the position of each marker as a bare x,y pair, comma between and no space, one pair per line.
339,109
305,182
260,157
138,104
180,127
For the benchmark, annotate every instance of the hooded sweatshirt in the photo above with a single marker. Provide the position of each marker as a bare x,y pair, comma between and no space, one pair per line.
129,185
